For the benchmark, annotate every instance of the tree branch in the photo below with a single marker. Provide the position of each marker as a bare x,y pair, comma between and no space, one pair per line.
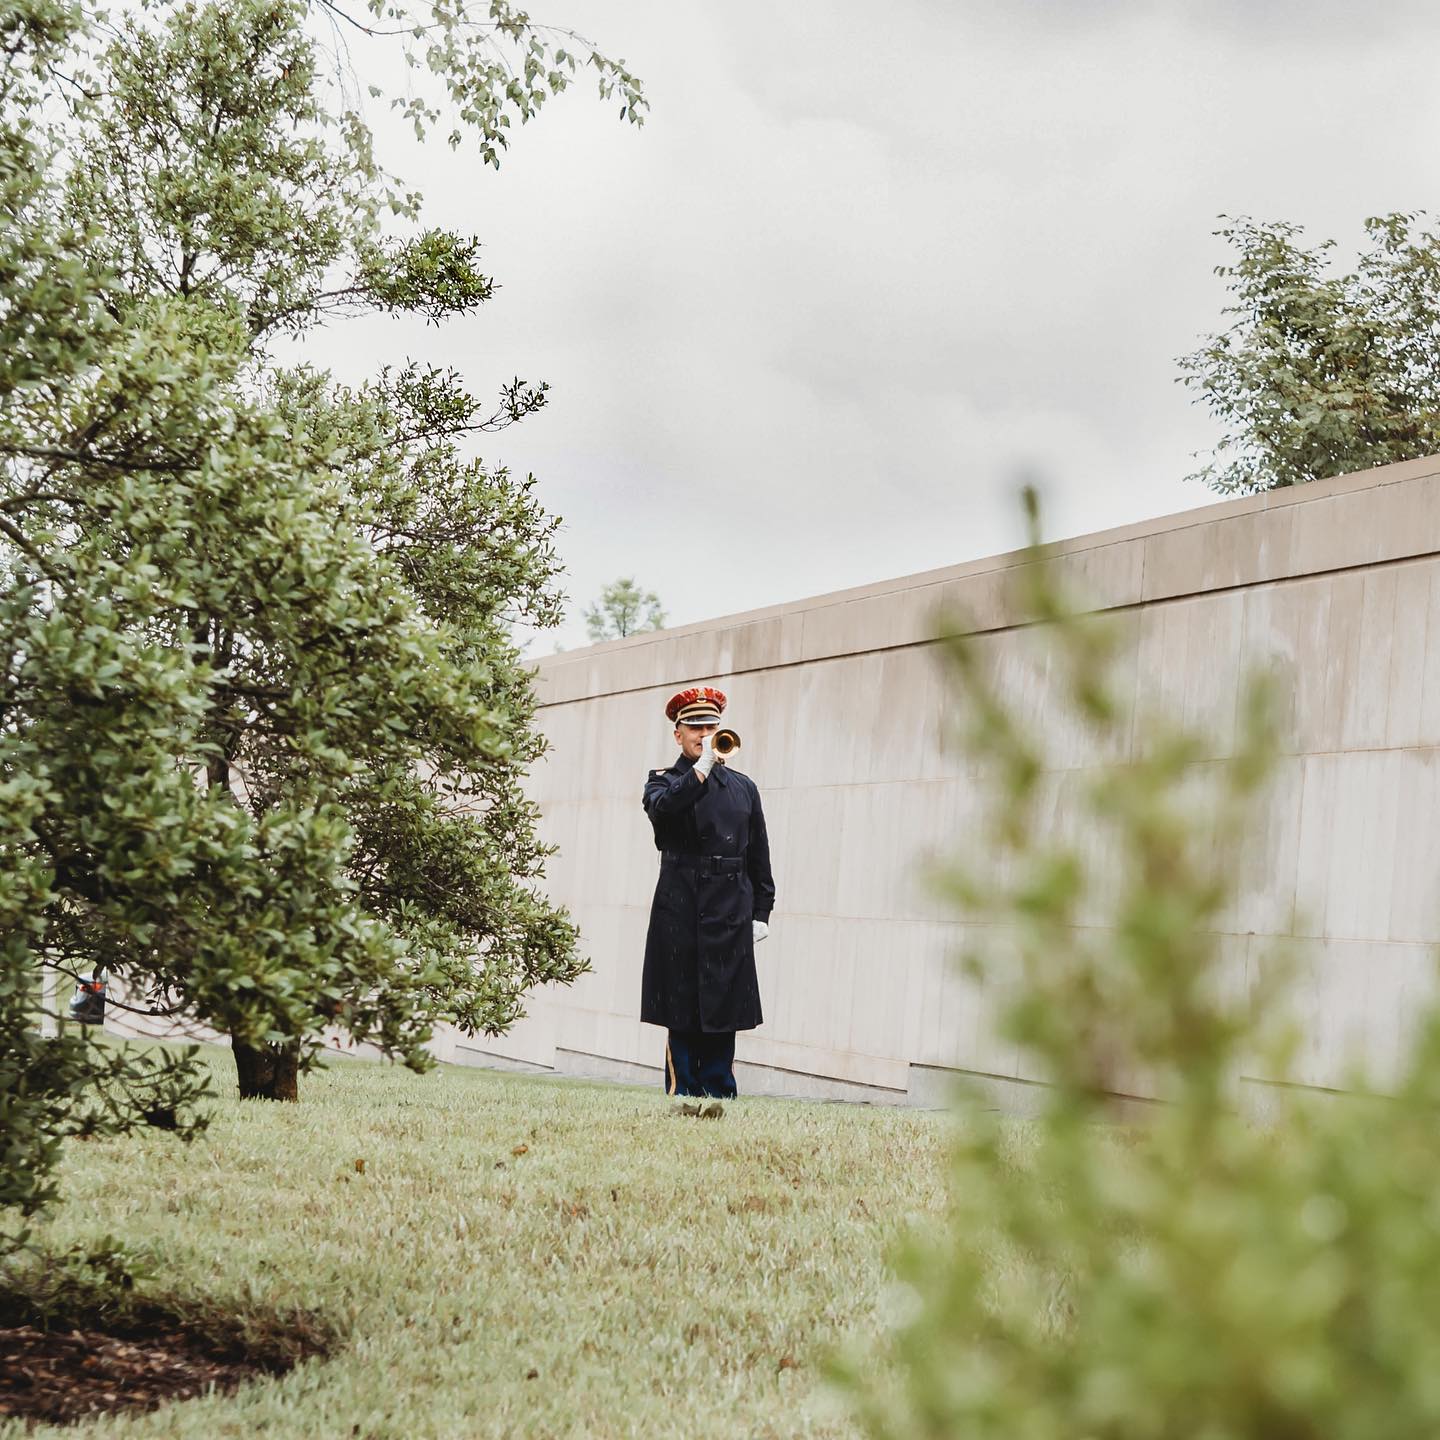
31,497
17,537
63,456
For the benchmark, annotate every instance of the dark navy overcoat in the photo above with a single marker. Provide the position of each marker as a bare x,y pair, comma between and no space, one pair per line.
714,880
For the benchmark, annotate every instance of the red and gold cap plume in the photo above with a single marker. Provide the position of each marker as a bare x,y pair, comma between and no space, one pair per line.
699,705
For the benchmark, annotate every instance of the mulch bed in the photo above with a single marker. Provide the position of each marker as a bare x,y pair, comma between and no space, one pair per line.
66,1375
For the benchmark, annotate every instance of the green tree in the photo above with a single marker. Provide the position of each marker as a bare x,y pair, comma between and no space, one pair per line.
1322,372
1200,1274
53,329
262,726
622,609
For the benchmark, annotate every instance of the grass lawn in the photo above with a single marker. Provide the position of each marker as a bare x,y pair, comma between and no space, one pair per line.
520,1256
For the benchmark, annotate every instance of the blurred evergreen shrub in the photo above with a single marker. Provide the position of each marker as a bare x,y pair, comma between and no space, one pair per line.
1203,1275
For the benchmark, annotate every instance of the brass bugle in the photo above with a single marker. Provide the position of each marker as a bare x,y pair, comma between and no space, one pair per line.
726,743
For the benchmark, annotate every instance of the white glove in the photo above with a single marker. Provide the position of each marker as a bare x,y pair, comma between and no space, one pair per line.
706,763
758,930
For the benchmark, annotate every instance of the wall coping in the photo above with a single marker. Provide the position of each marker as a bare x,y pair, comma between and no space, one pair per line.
1367,517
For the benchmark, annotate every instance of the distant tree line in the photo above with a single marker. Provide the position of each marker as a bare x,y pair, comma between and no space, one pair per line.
622,609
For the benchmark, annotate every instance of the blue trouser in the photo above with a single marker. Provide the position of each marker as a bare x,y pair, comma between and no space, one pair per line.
697,1063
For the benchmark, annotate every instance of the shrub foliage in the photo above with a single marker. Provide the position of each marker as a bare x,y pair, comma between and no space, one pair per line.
1203,1274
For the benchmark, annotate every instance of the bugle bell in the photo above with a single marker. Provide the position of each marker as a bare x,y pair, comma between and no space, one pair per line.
726,743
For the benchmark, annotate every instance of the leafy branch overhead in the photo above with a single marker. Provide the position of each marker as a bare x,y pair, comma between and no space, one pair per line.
494,62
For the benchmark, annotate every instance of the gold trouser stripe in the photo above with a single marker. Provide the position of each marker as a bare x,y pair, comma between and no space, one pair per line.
669,1070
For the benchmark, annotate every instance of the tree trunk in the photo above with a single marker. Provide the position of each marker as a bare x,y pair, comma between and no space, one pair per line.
267,1072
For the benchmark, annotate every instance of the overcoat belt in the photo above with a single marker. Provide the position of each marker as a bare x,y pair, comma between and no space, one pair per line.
714,880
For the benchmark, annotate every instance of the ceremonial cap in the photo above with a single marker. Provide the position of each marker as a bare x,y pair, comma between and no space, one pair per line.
699,705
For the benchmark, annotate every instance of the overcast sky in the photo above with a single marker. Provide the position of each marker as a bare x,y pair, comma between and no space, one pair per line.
865,263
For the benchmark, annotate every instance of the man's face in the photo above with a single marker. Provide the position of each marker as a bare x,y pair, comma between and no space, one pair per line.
692,737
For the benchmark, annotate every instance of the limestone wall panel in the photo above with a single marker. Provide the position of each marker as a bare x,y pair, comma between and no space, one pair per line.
1330,591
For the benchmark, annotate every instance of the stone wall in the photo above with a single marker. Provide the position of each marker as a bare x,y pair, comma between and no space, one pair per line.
1333,587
